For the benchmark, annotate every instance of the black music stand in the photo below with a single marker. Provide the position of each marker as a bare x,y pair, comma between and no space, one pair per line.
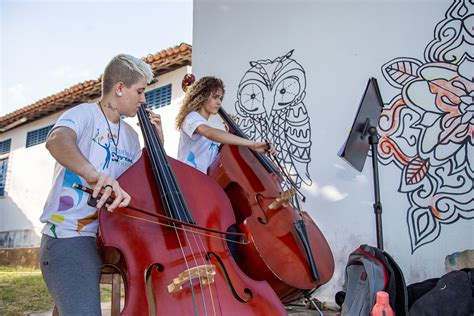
363,135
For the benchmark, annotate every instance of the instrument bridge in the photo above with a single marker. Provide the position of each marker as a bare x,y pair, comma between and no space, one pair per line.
205,273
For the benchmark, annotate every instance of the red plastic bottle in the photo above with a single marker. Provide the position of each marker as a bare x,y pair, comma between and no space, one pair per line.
382,305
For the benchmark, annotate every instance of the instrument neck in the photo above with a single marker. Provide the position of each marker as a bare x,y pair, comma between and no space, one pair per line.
170,192
235,129
266,163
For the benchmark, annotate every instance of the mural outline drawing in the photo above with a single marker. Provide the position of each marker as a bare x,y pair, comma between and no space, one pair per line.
427,129
270,107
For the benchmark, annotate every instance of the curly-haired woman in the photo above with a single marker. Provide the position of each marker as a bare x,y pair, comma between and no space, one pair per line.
199,142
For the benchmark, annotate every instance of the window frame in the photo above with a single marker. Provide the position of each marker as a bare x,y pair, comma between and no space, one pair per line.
3,175
8,145
161,96
37,139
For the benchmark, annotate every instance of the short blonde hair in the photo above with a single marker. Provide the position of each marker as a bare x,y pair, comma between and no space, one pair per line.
127,69
196,95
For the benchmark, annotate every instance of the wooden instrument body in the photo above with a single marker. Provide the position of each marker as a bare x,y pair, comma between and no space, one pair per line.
276,252
149,256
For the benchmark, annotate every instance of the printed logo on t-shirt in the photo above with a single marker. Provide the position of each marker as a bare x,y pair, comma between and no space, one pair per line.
119,156
67,120
122,157
99,140
213,146
69,197
192,159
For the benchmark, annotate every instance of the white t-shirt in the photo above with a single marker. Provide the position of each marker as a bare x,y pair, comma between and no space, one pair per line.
194,149
66,212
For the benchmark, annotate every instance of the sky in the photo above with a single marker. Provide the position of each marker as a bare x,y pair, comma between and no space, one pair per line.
48,46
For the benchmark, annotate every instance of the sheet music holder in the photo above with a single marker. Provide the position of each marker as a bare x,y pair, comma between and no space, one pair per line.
362,136
356,147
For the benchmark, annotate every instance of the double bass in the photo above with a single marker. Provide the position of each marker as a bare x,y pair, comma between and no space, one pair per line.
169,268
286,248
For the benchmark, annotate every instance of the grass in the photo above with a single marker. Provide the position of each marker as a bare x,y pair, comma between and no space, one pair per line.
23,291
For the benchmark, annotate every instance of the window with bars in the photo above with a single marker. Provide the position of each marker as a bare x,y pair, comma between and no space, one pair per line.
37,136
158,97
5,146
3,175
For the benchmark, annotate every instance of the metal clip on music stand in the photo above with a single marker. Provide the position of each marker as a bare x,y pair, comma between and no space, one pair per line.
362,135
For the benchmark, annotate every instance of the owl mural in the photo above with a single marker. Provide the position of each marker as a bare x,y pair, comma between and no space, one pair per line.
270,107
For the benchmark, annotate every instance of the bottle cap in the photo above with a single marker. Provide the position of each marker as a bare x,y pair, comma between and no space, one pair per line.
382,298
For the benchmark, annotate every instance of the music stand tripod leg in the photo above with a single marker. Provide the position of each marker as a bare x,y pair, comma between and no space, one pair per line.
374,140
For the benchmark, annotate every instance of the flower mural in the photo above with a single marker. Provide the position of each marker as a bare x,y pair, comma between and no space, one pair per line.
427,130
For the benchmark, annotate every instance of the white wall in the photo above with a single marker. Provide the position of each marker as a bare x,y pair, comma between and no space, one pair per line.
30,170
339,44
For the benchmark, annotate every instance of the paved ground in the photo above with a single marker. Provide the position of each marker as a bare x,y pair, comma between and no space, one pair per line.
292,310
106,312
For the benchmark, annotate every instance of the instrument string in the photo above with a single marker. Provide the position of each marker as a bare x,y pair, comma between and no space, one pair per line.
170,187
162,178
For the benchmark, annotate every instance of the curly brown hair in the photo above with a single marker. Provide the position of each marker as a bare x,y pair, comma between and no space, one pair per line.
196,95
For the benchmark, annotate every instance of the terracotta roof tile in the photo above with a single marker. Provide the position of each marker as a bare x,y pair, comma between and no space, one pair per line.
161,62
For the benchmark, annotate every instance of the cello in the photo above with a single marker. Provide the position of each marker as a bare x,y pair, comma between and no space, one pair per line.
286,249
169,268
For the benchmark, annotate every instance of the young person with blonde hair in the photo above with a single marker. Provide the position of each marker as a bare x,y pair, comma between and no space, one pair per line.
92,146
199,142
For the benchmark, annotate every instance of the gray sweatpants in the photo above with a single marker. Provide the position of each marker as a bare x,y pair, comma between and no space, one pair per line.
71,270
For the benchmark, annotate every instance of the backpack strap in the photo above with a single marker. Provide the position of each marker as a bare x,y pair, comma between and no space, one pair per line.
365,276
371,252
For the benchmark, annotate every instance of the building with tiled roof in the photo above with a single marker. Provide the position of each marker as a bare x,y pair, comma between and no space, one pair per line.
162,62
26,167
